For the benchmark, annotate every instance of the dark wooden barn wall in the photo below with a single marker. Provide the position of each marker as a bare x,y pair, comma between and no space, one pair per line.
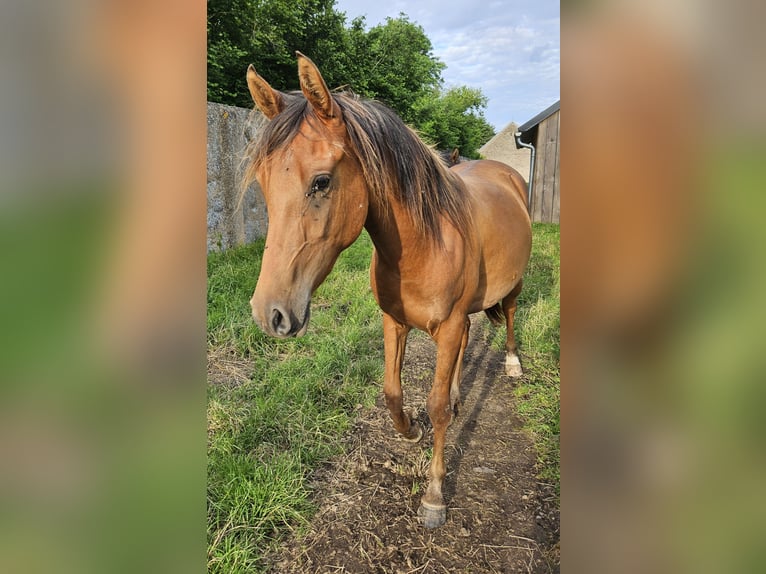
545,205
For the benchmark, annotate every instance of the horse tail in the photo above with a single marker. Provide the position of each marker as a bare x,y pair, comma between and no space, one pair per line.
495,314
520,186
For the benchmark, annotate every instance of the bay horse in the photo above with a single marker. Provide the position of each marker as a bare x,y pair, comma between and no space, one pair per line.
448,242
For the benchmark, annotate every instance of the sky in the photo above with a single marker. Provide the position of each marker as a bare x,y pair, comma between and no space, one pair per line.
509,49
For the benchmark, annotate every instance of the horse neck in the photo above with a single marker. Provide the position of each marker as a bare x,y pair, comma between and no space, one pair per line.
392,232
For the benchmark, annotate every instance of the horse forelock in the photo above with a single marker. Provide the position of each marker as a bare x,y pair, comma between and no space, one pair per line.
395,162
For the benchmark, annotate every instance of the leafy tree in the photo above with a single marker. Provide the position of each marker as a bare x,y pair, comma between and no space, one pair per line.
392,62
396,64
454,119
266,33
229,27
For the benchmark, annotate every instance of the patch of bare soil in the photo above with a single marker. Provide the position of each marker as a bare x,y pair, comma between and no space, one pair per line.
499,517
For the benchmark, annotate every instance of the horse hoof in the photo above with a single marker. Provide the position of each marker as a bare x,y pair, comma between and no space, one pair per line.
513,366
432,516
416,432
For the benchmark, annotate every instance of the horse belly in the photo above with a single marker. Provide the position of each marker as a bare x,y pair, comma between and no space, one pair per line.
497,285
505,244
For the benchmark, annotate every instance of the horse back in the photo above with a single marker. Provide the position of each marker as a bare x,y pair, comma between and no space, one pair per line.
493,185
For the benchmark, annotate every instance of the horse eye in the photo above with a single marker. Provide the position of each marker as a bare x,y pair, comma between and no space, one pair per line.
321,184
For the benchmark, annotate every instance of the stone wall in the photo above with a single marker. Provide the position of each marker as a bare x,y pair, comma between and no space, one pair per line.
233,218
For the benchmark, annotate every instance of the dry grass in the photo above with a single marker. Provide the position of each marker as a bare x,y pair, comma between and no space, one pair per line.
226,366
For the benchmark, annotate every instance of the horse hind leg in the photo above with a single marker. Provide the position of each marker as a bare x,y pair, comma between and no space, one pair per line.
512,362
454,390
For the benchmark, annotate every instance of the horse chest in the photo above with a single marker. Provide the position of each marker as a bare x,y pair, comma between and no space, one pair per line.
420,301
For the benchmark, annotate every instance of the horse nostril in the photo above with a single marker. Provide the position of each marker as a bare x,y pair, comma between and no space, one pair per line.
280,322
276,319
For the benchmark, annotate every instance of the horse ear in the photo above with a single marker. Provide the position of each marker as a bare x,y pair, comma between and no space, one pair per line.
315,89
268,100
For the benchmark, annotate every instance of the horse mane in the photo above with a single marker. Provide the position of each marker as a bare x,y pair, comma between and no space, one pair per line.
394,160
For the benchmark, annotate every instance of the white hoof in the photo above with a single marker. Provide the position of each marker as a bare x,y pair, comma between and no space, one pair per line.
513,366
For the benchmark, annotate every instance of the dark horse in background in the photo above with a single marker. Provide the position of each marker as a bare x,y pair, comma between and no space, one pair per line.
448,241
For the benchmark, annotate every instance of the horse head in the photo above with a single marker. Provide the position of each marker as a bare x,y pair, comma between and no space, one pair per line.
315,195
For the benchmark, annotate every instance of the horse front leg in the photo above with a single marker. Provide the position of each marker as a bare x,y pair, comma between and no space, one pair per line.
394,342
449,339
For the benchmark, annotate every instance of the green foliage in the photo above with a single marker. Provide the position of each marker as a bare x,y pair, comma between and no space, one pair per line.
229,25
454,119
391,62
397,66
266,33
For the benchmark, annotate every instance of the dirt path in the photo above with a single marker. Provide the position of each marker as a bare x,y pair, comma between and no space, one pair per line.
499,518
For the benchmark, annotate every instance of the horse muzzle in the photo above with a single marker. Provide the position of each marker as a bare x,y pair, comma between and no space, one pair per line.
278,320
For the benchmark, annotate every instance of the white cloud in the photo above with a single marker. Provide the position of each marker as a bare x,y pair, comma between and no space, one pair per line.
510,49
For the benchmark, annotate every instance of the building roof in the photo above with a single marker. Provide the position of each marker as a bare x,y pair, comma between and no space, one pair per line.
528,125
528,130
511,129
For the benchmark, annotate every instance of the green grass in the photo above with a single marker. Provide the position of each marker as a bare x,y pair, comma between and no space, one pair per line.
537,335
537,330
267,433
